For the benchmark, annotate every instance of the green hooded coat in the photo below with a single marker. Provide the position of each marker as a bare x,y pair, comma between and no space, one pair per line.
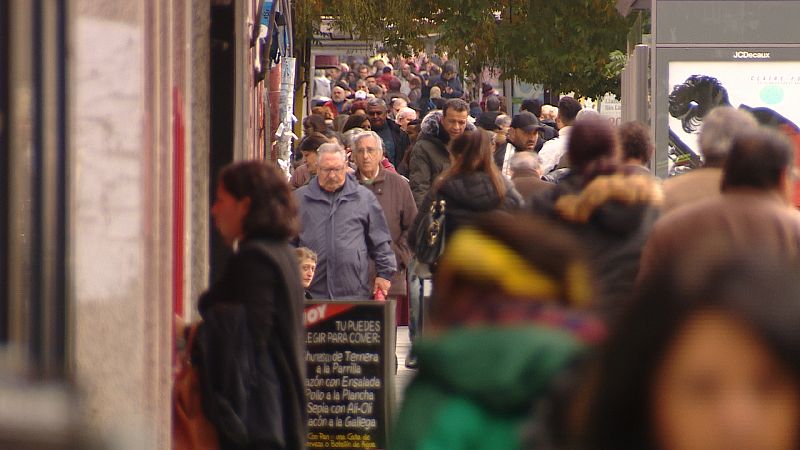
476,386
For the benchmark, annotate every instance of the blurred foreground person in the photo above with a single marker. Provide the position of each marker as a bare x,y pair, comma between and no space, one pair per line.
719,129
637,147
610,211
308,265
753,213
504,327
706,358
250,346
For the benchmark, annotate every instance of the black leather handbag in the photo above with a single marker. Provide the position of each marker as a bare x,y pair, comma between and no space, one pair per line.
431,235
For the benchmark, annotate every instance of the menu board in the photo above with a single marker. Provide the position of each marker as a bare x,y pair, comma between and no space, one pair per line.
350,364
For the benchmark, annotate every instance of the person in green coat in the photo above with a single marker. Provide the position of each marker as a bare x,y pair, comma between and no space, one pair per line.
506,322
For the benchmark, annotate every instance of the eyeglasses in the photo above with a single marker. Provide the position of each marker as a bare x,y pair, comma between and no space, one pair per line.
375,113
370,150
332,170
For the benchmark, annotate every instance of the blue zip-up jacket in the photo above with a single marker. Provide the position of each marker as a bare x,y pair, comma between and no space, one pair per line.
346,229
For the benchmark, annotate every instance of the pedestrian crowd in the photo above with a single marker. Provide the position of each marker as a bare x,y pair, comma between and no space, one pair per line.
577,300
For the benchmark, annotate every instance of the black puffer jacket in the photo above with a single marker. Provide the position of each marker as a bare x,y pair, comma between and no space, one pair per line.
611,216
429,156
466,196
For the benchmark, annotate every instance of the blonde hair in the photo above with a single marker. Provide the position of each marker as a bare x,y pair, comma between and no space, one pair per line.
304,253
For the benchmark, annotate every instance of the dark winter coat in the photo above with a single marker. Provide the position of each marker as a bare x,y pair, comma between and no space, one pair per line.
429,156
612,217
453,83
400,140
345,229
398,205
466,196
250,348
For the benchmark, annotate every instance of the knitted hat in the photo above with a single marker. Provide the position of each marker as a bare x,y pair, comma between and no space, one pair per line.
514,279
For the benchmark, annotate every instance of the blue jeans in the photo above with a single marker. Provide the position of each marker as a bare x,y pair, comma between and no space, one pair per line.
415,296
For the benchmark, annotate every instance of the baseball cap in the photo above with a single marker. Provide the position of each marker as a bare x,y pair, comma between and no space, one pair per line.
526,122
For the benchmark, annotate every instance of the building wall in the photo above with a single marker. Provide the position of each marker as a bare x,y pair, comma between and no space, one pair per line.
139,136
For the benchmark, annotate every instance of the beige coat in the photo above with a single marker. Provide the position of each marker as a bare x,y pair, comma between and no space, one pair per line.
741,220
690,187
399,208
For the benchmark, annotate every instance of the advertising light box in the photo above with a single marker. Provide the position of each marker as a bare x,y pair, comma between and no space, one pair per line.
693,81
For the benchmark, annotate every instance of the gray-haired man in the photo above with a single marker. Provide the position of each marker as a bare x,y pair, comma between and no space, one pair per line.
394,195
526,173
395,140
343,223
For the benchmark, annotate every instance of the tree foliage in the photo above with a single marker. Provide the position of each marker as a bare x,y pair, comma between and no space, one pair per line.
565,45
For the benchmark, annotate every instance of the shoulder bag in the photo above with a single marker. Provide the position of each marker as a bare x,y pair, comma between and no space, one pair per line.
191,429
431,234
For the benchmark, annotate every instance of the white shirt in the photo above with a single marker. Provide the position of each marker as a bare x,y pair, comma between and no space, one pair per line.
405,87
554,149
506,169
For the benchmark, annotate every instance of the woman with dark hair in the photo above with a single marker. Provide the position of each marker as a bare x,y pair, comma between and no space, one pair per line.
308,150
314,123
608,209
471,185
706,357
339,121
358,107
249,347
356,121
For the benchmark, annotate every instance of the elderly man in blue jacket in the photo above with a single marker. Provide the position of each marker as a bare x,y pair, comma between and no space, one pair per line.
344,224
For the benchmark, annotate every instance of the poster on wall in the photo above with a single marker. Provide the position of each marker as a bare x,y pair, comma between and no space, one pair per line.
768,89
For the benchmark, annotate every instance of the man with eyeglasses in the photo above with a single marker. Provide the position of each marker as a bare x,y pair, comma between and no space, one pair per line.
343,223
394,195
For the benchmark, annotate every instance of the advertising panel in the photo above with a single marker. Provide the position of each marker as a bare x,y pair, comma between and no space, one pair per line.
350,373
690,82
769,89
